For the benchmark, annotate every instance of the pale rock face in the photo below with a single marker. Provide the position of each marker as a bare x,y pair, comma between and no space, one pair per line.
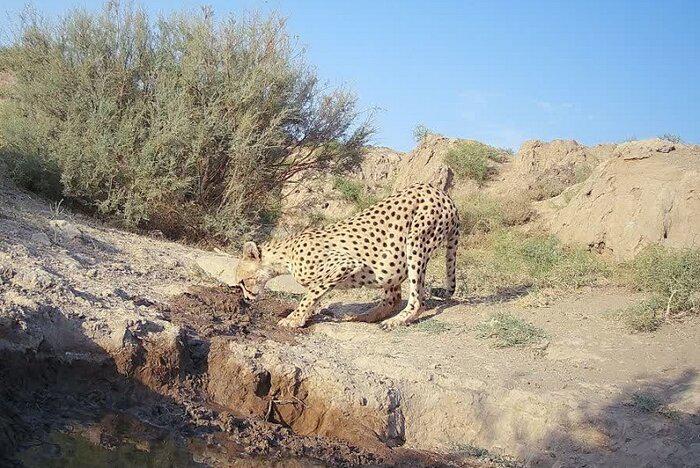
647,192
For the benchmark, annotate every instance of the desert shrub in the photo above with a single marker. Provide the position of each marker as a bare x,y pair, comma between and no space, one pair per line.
354,192
671,276
186,122
646,316
645,402
507,331
480,213
420,131
505,260
671,137
350,190
470,160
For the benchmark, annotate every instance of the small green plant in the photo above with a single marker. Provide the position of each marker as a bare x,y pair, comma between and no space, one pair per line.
317,219
420,132
354,192
432,327
472,451
646,402
508,330
672,276
470,160
645,316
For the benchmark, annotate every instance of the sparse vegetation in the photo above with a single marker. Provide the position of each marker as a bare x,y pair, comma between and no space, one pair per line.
646,402
509,261
420,132
645,316
480,213
432,326
582,172
672,276
187,124
354,192
672,138
555,181
507,330
484,455
471,160
317,219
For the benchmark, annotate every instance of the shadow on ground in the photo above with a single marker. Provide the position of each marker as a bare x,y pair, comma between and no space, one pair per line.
638,428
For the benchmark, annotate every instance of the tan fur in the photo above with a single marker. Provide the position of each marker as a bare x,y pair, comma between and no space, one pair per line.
381,246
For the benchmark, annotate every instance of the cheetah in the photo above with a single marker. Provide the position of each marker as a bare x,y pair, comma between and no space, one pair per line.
381,246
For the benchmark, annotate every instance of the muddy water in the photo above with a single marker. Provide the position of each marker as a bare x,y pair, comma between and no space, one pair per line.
61,449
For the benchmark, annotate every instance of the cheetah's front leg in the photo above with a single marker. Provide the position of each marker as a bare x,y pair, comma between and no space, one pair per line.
320,286
305,309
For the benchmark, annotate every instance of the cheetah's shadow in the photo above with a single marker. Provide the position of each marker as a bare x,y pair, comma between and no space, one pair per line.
434,306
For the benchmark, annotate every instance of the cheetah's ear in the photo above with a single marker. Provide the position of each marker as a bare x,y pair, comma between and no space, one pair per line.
250,251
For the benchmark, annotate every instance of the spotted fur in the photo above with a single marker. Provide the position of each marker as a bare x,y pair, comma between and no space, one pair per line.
381,246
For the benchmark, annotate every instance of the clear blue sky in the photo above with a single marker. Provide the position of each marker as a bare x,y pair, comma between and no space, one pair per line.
500,72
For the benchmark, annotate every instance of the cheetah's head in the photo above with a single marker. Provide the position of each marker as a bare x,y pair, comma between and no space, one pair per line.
251,273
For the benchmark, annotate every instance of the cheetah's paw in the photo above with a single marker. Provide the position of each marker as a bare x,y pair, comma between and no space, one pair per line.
292,322
392,323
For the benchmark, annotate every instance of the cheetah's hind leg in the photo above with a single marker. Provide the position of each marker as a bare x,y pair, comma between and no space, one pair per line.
416,263
386,307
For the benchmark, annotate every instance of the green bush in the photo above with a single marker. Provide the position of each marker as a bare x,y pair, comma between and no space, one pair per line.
672,276
354,192
646,316
350,190
470,160
184,123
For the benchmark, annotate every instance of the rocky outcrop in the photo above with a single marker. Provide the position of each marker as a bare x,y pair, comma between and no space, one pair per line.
646,192
426,163
542,170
